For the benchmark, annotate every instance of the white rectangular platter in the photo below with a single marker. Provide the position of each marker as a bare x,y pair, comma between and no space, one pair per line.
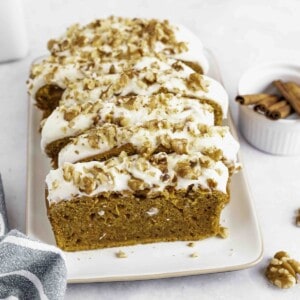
242,249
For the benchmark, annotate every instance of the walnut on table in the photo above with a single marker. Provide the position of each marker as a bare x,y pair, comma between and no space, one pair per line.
121,254
194,255
283,270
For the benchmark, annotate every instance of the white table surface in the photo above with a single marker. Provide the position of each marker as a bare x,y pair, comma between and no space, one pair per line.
241,34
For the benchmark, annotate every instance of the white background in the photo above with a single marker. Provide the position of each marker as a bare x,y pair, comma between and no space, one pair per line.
241,34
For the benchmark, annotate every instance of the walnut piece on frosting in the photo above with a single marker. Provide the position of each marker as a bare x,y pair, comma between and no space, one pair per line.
129,38
283,270
179,145
195,82
68,171
136,184
187,169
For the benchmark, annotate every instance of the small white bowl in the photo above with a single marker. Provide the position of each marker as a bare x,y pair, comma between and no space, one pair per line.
281,137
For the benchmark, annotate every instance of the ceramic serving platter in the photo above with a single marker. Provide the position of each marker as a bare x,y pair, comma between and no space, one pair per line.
242,249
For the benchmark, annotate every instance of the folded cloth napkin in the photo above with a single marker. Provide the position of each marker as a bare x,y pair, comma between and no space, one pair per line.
29,269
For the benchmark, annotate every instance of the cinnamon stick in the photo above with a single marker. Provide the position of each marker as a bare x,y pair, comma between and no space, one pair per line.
291,92
250,99
263,105
279,110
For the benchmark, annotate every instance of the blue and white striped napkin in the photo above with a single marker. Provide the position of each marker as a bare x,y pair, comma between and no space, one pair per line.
29,269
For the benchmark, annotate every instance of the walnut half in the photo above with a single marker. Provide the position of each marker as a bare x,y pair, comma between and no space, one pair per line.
282,270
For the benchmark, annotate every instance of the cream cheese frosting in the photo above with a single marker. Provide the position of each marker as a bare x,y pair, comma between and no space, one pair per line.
48,71
67,122
147,82
123,38
130,81
136,173
113,42
147,76
188,138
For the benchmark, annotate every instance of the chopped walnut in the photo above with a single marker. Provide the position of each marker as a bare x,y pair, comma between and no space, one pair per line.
195,82
93,140
86,185
180,145
165,141
124,79
130,103
165,177
76,177
151,125
64,45
124,121
103,178
68,172
136,184
150,77
204,162
142,84
121,254
186,169
146,149
142,165
181,47
211,183
161,162
177,66
213,153
223,232
71,114
183,168
204,129
89,83
112,69
282,270
194,255
51,44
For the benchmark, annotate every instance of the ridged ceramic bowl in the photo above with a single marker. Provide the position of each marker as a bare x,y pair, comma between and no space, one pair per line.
281,137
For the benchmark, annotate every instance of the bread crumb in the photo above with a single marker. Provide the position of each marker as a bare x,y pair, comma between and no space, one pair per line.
223,233
191,244
121,254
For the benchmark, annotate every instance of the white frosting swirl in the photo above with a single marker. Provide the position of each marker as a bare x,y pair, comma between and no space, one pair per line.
148,138
115,174
157,107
